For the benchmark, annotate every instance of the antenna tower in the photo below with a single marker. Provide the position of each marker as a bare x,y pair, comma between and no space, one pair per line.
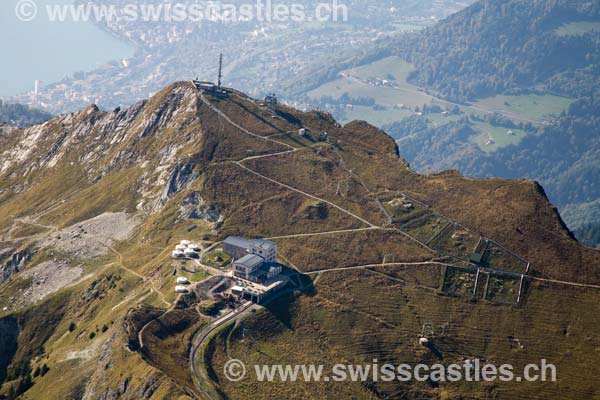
220,70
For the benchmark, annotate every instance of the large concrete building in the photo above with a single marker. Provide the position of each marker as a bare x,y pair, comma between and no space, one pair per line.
238,247
254,260
253,268
246,265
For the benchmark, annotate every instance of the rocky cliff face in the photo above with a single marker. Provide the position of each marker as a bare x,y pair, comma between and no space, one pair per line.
98,143
15,263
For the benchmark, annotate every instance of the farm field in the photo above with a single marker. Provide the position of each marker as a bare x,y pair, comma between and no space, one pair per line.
532,106
393,69
399,98
577,28
426,227
492,138
376,117
456,242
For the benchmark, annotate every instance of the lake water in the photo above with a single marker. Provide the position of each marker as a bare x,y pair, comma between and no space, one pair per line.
50,51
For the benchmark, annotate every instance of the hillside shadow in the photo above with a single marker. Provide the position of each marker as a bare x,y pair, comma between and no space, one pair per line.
282,304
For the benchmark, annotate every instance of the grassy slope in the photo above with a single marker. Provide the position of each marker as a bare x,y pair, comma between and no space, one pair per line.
346,321
577,28
365,311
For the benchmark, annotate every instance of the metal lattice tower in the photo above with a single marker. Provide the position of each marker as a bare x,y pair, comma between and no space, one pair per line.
220,70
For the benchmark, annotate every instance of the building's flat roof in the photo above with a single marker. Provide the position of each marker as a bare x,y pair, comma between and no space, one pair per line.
250,260
237,241
264,244
257,288
476,257
247,243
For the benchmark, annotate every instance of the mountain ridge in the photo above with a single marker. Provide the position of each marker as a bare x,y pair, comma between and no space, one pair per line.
511,55
102,197
149,119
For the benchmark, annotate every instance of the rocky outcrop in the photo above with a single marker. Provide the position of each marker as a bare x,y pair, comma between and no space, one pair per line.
182,175
195,207
15,263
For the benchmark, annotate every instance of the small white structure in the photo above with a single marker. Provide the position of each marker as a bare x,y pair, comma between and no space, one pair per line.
182,280
423,341
186,248
190,253
238,290
302,132
180,289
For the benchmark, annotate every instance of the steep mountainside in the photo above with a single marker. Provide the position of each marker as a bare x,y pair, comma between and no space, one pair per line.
516,55
92,204
511,45
564,156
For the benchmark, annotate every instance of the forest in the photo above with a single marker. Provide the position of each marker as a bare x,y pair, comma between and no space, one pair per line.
511,46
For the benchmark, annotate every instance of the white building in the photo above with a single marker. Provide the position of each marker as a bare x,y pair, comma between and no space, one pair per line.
186,249
254,260
253,268
181,289
264,248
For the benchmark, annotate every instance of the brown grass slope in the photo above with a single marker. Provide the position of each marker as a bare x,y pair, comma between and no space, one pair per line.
81,165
